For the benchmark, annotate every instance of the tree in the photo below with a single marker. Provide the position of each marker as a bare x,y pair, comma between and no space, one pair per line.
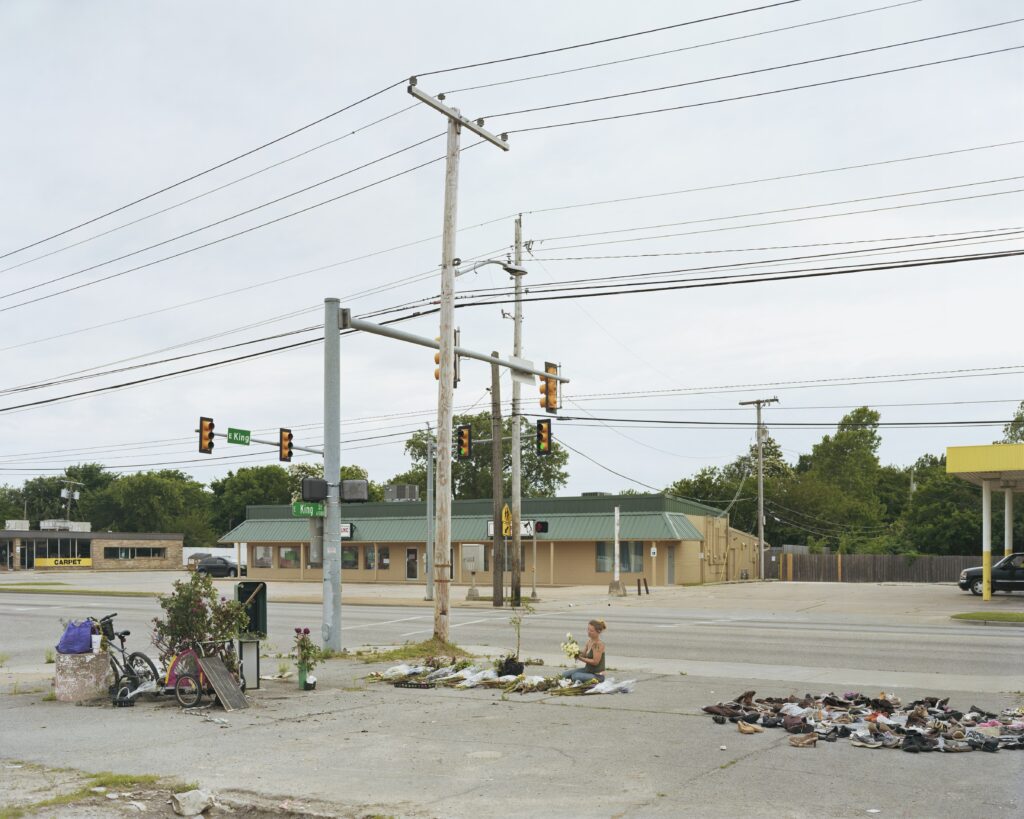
163,501
542,475
296,472
252,485
1013,432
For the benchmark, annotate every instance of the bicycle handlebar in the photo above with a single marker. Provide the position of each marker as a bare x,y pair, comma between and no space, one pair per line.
109,617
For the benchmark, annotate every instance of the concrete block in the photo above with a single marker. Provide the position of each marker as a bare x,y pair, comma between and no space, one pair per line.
82,677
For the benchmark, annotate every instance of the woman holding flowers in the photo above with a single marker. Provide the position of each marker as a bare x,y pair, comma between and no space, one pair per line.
592,656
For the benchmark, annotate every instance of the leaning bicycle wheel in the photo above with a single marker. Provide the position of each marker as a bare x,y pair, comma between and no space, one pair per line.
144,668
188,691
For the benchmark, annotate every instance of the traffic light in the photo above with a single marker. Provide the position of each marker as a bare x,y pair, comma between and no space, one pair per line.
549,388
285,445
206,435
465,446
457,361
544,436
540,527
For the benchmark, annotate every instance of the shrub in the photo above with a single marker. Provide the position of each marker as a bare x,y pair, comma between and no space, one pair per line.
194,613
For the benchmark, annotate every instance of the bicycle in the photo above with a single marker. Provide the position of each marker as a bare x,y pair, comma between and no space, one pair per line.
131,671
185,676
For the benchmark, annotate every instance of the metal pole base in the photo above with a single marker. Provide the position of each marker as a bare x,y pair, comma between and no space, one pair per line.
533,597
473,593
617,588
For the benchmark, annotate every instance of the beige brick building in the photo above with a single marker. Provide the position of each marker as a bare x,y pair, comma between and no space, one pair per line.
102,551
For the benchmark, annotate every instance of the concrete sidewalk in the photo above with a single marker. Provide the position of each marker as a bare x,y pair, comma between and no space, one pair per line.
355,749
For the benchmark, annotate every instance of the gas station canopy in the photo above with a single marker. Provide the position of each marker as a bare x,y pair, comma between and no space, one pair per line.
1003,464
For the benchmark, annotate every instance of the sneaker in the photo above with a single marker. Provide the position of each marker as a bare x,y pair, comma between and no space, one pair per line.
866,743
749,728
890,741
719,719
804,741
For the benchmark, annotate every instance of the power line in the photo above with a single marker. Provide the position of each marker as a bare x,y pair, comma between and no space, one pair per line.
208,192
596,291
229,236
228,218
678,50
760,93
604,40
749,214
752,72
203,173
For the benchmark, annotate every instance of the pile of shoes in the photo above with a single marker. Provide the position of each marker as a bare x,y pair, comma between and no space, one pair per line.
927,724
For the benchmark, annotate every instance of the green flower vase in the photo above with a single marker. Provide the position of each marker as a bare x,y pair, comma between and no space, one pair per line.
303,673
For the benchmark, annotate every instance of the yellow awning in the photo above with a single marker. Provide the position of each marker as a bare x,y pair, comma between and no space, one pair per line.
1001,463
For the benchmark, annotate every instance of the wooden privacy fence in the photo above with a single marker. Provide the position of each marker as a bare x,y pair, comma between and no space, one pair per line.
873,568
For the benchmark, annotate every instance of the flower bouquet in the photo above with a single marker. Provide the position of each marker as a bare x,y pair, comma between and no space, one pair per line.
307,655
570,648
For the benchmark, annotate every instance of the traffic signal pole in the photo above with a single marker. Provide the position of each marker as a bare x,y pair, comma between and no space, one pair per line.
331,627
497,491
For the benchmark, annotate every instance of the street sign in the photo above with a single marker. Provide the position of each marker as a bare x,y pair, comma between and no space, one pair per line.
506,521
518,375
238,436
525,528
306,509
346,531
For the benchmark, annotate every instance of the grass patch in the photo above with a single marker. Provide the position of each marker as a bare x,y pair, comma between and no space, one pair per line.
110,781
728,764
413,651
331,654
11,813
999,616
50,697
3,659
90,592
50,657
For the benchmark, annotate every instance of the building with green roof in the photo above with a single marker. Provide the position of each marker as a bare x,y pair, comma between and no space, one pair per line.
665,540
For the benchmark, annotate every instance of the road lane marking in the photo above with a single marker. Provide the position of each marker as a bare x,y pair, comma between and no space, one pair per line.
383,623
454,625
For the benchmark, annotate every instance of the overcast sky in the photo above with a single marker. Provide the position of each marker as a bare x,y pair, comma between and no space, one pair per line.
109,102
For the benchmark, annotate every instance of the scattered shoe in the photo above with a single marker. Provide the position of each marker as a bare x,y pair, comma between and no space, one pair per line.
718,718
866,743
804,741
749,728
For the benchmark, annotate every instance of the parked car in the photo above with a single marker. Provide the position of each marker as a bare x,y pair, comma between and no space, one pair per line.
219,567
1007,575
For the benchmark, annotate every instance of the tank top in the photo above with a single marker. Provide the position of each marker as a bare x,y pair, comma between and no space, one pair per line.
595,669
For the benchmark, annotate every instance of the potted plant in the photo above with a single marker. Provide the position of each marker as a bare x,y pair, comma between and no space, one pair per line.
307,655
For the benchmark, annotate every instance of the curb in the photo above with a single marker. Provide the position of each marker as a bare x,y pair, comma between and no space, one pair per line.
988,622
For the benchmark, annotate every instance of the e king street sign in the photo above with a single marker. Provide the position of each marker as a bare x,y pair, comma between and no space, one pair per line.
307,509
238,436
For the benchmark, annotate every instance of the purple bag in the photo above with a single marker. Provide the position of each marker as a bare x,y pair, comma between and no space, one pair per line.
77,638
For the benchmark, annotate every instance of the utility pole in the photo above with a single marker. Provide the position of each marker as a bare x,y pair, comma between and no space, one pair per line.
517,477
443,541
497,490
429,551
759,403
331,627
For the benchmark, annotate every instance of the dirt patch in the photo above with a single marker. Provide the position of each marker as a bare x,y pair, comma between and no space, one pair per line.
38,791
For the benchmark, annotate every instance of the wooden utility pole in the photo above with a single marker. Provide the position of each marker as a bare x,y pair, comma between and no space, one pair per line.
497,489
446,374
517,472
760,402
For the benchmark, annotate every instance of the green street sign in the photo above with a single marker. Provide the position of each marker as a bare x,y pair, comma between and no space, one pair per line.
238,436
305,509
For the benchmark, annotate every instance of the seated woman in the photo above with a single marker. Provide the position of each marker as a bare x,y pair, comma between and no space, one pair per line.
592,656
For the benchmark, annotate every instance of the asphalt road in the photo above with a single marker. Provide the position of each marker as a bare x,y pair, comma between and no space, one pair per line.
724,643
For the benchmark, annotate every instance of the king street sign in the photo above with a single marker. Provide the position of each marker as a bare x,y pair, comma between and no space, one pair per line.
238,436
307,509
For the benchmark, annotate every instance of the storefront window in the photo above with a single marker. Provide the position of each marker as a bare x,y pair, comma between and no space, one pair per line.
384,557
349,557
604,556
289,557
631,556
263,557
369,556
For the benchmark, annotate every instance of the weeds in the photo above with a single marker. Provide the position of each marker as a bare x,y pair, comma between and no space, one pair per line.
3,659
413,651
50,697
50,657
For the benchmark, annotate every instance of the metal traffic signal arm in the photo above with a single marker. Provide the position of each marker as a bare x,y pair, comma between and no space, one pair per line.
205,429
350,323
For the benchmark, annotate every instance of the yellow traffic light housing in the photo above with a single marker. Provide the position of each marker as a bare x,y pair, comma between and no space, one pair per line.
464,449
437,361
206,435
285,445
549,388
544,436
